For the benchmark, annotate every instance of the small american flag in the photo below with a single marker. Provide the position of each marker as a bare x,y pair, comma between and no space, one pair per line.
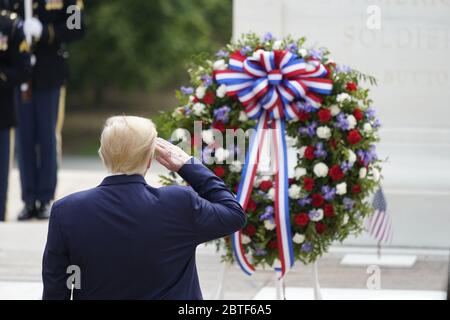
380,223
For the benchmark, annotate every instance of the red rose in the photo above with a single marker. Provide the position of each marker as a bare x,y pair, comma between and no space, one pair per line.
317,200
219,171
356,188
336,173
308,184
324,115
218,125
209,97
309,153
250,230
291,181
354,137
265,185
251,205
328,210
303,116
301,219
351,86
273,244
320,227
358,114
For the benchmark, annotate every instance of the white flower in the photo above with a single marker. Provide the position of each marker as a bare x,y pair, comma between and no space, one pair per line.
191,98
221,154
294,192
290,141
243,116
345,220
302,52
180,134
317,216
220,65
323,132
208,136
375,174
299,172
277,45
351,122
221,91
246,239
271,194
298,238
301,152
257,54
269,225
351,156
200,92
367,128
362,173
341,188
236,166
198,109
343,97
335,110
321,170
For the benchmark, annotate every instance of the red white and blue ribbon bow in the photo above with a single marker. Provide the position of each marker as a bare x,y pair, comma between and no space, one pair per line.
272,86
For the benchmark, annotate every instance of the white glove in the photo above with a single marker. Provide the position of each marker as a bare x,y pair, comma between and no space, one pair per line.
33,27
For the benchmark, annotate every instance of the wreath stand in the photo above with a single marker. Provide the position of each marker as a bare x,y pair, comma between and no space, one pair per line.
279,284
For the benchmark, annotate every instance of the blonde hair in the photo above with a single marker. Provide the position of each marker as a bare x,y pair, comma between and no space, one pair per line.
127,144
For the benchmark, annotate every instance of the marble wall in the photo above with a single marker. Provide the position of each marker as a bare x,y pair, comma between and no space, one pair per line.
405,44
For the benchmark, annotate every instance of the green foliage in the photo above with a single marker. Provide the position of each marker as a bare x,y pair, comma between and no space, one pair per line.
145,44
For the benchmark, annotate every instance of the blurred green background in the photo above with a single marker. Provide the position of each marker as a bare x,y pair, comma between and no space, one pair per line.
133,57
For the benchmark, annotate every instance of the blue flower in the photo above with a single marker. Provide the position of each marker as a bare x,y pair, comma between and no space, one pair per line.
370,113
328,193
318,54
245,50
207,80
348,203
268,37
306,247
222,54
260,252
268,214
292,47
342,122
343,69
221,114
303,202
187,110
187,90
345,166
320,152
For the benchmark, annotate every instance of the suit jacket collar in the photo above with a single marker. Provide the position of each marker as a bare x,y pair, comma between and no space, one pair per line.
121,179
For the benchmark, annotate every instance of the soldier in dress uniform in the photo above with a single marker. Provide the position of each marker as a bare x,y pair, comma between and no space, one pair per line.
52,27
15,68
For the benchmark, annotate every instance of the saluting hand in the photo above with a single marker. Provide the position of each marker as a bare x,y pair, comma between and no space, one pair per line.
170,156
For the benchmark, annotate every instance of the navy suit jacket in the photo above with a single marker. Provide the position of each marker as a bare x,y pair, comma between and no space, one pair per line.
133,241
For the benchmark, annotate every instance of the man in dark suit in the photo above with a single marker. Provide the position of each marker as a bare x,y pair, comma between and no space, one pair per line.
129,240
54,24
15,67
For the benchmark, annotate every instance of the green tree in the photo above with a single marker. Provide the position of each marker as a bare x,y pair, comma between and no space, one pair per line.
145,44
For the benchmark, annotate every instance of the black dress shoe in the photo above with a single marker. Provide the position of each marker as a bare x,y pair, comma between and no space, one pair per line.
43,213
28,212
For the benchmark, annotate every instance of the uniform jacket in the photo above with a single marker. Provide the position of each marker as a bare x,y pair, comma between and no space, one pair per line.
15,66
